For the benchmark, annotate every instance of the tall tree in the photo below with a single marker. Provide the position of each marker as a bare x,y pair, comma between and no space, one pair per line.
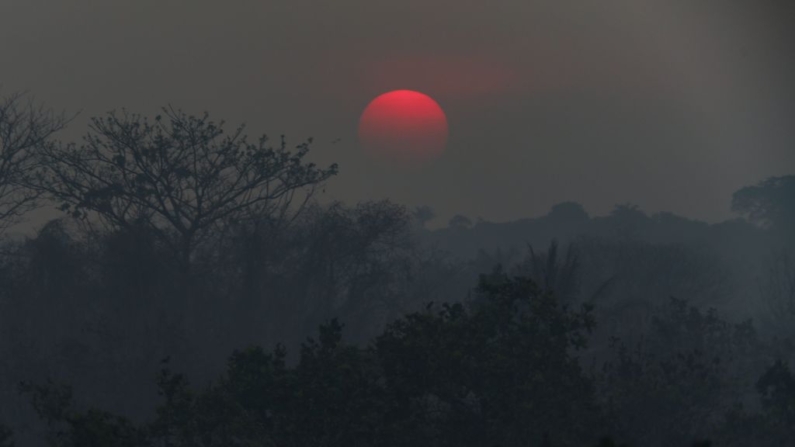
24,126
179,175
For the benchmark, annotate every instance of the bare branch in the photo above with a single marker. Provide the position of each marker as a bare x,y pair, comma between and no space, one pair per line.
179,174
24,128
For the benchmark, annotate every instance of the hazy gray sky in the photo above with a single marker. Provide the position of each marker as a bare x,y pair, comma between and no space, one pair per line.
669,104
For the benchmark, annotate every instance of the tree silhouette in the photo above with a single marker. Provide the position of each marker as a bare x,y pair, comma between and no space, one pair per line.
423,214
630,221
180,175
777,289
498,370
776,388
24,127
770,203
677,381
460,222
70,427
551,274
568,212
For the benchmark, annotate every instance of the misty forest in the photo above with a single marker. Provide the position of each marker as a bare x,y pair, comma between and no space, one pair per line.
197,289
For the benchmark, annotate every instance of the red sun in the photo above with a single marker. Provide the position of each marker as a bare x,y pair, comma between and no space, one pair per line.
403,126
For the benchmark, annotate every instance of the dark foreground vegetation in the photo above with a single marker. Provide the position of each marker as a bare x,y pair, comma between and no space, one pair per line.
182,243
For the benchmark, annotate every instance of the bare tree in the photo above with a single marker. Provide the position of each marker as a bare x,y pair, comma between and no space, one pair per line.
179,175
24,126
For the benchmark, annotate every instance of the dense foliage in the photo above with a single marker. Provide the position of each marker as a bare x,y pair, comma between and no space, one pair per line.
497,372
